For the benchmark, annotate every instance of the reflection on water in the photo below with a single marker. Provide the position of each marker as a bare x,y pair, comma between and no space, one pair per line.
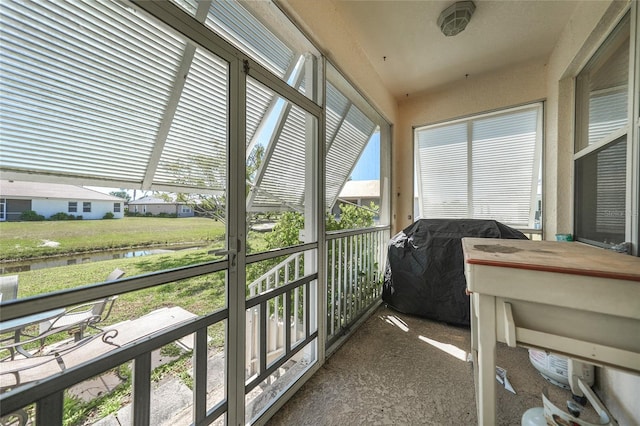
73,260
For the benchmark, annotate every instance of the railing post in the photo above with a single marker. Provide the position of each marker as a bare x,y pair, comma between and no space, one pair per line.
49,409
142,390
200,375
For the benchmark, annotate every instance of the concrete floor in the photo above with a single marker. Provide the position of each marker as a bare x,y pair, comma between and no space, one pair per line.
403,370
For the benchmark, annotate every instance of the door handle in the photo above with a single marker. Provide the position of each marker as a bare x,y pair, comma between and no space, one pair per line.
231,253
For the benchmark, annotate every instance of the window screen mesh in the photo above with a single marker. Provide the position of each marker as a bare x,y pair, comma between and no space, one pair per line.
600,194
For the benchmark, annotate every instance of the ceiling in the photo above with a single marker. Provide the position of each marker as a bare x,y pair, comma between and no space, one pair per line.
410,54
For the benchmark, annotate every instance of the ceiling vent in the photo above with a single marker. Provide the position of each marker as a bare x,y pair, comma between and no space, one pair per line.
455,18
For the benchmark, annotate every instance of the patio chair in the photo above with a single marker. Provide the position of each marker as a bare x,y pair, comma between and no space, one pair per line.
8,291
78,318
8,287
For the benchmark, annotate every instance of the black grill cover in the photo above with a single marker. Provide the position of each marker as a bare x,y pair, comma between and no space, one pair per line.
424,274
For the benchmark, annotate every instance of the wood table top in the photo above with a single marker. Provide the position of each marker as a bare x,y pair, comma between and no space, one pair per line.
551,256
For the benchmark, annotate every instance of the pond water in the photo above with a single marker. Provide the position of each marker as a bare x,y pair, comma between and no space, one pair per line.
12,267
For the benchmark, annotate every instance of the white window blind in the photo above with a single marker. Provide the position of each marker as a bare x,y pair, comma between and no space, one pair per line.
602,90
194,153
280,182
485,167
441,167
503,157
607,113
610,189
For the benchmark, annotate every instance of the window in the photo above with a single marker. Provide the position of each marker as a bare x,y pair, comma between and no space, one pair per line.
485,167
355,147
86,207
186,209
73,206
116,207
603,139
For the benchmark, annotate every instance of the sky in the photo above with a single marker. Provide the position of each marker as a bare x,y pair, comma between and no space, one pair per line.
368,166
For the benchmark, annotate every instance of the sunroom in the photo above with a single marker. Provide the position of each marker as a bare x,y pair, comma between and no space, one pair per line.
255,115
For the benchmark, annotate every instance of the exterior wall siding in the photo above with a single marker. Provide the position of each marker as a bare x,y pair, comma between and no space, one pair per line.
156,209
47,208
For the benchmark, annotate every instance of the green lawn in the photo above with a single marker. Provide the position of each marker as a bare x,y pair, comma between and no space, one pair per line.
199,295
24,240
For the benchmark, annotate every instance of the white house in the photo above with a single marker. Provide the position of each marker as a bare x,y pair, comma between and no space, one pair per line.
157,206
47,199
358,192
361,192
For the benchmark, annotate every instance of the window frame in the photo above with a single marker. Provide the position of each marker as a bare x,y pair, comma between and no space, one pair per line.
86,207
72,207
631,130
535,201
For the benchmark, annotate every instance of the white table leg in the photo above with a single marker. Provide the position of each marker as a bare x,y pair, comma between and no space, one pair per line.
474,325
474,344
486,325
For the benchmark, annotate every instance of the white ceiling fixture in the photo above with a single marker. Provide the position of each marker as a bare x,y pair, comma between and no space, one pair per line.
454,19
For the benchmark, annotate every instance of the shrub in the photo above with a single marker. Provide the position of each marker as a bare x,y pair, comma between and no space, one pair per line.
148,214
31,216
108,215
61,216
79,217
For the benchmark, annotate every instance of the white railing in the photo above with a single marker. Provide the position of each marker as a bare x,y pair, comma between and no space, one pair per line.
289,270
284,272
355,266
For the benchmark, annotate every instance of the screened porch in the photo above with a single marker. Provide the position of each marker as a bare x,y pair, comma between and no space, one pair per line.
237,126
235,138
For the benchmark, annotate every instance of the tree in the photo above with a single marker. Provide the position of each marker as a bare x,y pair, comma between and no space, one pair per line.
206,205
287,231
200,172
352,216
121,194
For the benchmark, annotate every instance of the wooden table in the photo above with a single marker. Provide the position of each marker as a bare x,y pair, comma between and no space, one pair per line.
564,297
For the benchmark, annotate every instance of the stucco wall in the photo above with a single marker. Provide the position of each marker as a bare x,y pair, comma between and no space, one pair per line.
551,79
98,208
583,34
511,86
330,33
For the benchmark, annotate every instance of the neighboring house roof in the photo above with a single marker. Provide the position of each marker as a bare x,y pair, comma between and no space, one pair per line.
30,190
361,189
152,200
